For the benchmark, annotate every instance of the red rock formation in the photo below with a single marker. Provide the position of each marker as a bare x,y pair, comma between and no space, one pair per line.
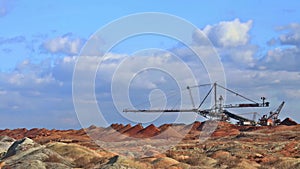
122,130
288,122
117,126
114,126
149,131
120,126
164,127
133,130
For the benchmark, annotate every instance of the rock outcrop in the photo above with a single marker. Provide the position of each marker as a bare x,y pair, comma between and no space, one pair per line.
120,162
226,146
5,143
149,131
25,153
288,122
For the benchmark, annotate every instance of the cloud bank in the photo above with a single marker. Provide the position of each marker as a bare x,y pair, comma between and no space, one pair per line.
43,90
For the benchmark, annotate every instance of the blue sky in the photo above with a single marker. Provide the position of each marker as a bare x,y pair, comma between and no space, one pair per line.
40,41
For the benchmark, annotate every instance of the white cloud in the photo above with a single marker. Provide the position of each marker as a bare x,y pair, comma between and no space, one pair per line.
242,56
262,77
229,33
135,75
276,86
292,37
31,91
150,66
285,58
42,90
286,54
281,59
65,44
232,40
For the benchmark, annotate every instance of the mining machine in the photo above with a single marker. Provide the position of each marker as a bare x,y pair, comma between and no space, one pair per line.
219,110
271,119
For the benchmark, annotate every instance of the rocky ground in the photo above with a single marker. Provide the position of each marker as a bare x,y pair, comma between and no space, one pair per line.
228,146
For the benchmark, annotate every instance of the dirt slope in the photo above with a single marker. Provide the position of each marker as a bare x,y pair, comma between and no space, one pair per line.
229,146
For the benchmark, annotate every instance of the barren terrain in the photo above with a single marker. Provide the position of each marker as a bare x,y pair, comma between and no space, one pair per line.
165,146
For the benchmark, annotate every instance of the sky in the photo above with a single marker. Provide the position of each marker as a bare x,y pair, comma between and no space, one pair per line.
258,43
